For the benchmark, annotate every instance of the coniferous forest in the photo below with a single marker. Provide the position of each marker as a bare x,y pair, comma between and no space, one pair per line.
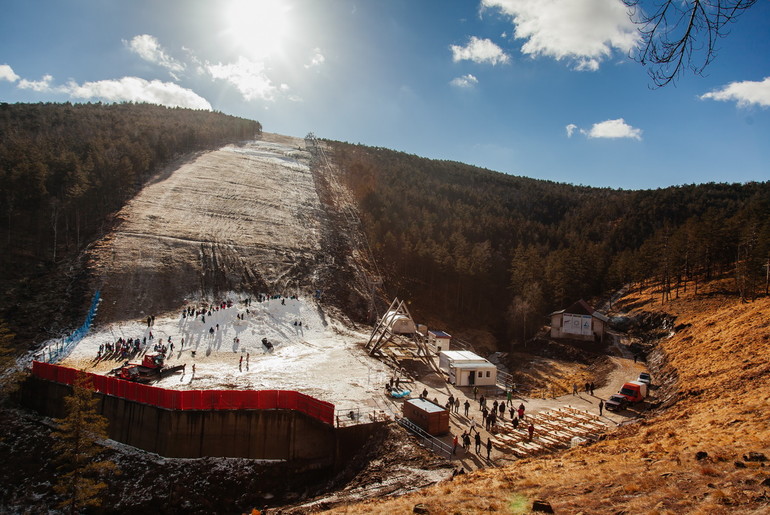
484,248
472,247
65,169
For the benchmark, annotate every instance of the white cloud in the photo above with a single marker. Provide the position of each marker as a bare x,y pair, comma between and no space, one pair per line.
7,73
466,81
317,59
745,93
148,48
582,31
247,76
587,65
479,51
39,85
612,129
135,89
570,129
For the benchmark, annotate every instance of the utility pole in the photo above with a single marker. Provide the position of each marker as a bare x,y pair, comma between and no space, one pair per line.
374,282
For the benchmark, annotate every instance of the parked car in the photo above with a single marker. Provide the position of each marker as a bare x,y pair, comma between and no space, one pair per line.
644,377
616,402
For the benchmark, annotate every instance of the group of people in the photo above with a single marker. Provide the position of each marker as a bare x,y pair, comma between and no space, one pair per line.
466,442
203,312
122,348
589,388
492,414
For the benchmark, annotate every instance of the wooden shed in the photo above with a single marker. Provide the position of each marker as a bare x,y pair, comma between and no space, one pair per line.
432,418
578,322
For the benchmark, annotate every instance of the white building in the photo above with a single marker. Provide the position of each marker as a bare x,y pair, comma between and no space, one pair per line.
439,340
578,322
467,369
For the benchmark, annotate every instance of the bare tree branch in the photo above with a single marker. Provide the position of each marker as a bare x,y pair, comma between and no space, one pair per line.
682,34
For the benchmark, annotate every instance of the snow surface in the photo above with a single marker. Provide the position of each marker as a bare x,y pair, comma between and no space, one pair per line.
322,357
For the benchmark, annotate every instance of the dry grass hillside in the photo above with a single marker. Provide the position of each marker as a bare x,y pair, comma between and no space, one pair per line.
700,452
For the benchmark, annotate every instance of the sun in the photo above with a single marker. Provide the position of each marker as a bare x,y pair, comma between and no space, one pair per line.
258,28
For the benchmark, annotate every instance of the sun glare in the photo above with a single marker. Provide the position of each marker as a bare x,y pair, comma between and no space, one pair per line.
257,27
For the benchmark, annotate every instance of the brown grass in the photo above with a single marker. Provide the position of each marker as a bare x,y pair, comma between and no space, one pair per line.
650,467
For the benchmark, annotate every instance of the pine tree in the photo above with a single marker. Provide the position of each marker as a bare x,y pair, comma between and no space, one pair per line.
76,443
10,375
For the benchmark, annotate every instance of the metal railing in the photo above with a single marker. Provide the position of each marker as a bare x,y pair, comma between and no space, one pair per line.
426,440
355,416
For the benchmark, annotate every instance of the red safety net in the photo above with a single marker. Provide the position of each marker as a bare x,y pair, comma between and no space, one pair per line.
191,399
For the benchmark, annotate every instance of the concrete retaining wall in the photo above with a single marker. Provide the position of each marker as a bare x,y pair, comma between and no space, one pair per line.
261,434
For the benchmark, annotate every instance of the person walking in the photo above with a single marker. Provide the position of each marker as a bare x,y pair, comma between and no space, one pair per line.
467,405
457,405
454,445
478,442
601,407
521,411
531,430
489,448
475,392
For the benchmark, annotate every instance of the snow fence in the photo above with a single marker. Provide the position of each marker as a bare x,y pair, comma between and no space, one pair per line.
191,399
61,349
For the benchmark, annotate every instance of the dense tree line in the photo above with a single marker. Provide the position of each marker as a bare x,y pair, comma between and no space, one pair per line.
477,246
65,170
65,167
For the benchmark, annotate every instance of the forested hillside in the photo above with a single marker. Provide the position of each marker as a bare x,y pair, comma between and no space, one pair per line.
481,247
65,168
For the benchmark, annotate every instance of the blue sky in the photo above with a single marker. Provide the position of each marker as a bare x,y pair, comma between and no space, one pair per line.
538,88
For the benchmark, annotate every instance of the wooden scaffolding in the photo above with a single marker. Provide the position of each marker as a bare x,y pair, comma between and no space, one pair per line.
383,333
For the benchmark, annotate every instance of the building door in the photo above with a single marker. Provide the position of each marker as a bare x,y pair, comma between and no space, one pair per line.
472,377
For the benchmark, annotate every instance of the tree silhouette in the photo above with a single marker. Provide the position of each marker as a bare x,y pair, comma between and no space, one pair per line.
76,443
682,34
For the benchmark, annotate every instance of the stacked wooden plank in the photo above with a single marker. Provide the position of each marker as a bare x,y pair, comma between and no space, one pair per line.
554,430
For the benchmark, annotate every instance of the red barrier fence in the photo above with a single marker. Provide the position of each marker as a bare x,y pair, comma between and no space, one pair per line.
192,399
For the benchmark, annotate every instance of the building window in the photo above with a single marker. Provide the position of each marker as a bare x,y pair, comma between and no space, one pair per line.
488,373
